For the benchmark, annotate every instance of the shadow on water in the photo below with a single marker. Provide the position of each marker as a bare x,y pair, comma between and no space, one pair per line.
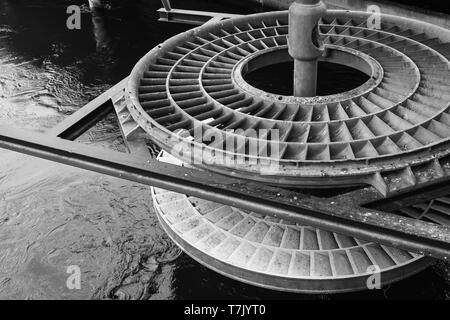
53,216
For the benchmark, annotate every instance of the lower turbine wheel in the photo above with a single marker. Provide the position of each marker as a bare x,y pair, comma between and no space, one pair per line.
273,253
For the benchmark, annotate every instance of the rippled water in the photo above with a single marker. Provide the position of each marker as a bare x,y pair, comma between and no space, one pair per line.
53,216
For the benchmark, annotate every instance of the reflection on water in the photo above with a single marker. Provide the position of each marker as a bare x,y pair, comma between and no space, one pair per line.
53,216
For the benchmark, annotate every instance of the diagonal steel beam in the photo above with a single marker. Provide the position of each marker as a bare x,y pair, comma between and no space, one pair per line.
370,198
367,224
192,16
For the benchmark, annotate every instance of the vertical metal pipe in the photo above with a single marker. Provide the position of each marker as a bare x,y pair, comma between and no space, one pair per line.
102,38
305,78
166,4
305,46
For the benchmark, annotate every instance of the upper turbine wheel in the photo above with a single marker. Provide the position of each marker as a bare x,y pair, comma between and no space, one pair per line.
190,96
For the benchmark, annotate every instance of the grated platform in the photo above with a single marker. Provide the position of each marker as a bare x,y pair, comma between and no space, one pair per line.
394,123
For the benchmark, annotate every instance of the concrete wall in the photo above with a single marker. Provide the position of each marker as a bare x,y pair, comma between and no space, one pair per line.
387,7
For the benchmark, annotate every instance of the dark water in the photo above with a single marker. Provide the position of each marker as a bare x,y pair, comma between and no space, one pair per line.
53,216
331,78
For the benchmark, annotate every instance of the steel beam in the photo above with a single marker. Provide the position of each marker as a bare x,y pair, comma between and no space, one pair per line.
371,198
367,224
192,16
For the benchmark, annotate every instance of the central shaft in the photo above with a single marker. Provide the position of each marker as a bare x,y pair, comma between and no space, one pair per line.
305,46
